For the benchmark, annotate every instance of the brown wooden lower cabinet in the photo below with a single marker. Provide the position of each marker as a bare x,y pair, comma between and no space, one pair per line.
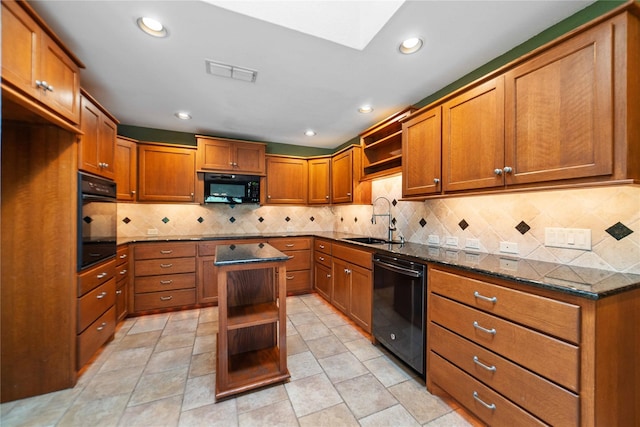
322,270
122,282
517,355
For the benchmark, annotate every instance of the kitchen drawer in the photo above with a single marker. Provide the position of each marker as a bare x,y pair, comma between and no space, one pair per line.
94,303
300,260
94,336
291,244
323,246
471,393
352,255
164,250
546,400
324,259
122,255
543,354
151,267
122,271
298,281
560,319
93,277
157,300
165,282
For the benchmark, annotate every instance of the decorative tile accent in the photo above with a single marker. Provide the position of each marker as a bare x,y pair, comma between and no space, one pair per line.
312,219
126,220
395,202
523,227
423,222
463,224
232,220
287,219
261,219
200,220
165,220
393,221
87,219
619,231
341,219
355,219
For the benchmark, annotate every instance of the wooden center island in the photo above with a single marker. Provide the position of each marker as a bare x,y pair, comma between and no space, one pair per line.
251,342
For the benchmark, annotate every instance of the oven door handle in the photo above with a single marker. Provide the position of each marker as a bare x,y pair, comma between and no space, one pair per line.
398,269
92,197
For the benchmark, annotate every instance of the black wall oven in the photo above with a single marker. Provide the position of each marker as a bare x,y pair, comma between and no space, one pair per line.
399,308
97,209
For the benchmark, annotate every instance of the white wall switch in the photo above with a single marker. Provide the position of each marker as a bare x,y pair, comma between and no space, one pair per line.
472,244
433,239
572,238
451,241
509,247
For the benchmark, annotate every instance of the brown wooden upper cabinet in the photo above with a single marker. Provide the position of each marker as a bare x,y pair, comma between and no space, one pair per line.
96,151
319,181
346,186
286,180
227,155
35,65
473,138
166,172
421,147
126,161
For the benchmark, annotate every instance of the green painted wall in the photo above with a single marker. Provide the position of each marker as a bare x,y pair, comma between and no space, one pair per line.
585,15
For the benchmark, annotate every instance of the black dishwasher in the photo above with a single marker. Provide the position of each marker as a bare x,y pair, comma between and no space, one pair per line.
399,304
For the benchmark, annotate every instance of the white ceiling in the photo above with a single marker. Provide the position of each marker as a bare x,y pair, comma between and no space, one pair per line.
304,81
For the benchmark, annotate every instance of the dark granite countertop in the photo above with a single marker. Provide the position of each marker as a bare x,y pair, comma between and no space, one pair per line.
249,253
585,282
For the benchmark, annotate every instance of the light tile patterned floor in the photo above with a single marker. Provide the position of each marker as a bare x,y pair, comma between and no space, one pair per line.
160,371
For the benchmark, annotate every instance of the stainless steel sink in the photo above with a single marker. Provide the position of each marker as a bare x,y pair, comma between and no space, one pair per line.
368,240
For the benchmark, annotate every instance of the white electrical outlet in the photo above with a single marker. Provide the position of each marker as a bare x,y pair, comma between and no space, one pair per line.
451,241
572,238
472,244
152,231
509,247
433,239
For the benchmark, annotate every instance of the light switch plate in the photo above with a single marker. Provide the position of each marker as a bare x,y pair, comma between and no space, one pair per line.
451,241
433,239
572,238
472,243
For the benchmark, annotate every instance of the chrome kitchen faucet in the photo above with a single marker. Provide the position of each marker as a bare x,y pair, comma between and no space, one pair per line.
392,227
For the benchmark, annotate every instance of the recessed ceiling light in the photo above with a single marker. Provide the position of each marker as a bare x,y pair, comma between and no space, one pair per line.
411,45
365,109
310,132
152,27
182,115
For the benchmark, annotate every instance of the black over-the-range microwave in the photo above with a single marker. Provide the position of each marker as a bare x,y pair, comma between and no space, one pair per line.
231,188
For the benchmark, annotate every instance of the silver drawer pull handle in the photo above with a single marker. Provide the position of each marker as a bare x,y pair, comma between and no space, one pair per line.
101,275
123,256
491,331
166,282
166,298
328,276
123,272
290,245
482,297
321,246
321,258
102,295
290,277
166,265
486,405
167,252
479,363
119,292
101,327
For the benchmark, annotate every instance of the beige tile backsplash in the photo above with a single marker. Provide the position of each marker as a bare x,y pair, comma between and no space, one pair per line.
491,219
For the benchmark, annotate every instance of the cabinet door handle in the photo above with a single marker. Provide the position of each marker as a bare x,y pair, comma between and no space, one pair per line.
321,246
477,361
491,406
101,275
349,194
166,298
166,282
133,192
101,295
290,245
118,292
166,265
326,197
436,181
166,252
497,171
101,327
482,297
491,331
290,277
123,272
321,258
123,256
328,276
507,169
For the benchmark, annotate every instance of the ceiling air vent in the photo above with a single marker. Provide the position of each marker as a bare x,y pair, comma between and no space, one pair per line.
231,71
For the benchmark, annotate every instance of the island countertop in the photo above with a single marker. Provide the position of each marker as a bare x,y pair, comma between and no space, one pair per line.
247,253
